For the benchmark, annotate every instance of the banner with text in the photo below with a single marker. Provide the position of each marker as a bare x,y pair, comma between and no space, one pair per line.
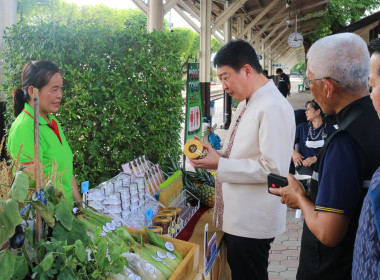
193,103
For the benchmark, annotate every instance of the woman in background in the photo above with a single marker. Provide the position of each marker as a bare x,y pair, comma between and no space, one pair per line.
54,149
310,136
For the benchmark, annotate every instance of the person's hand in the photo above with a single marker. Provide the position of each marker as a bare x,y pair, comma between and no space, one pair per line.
309,161
291,194
297,158
211,161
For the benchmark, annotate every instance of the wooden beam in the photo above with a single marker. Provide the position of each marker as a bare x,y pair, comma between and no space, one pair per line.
227,13
284,20
257,19
170,4
141,5
189,10
240,24
274,30
267,25
278,37
187,19
197,17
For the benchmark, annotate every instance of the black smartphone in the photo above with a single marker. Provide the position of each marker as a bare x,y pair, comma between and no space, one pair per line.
276,181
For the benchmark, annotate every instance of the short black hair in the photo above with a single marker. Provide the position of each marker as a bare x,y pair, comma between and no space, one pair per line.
374,47
265,72
279,70
236,54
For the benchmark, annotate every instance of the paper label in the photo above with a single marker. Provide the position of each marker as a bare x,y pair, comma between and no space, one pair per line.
84,186
110,226
159,260
132,276
149,214
161,255
150,268
198,152
170,255
169,246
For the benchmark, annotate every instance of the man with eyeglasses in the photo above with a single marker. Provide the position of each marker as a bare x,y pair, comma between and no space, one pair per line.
337,73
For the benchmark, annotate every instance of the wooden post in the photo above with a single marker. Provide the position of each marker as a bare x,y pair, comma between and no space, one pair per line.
36,115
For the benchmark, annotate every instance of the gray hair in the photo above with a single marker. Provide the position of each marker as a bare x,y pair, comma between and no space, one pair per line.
344,57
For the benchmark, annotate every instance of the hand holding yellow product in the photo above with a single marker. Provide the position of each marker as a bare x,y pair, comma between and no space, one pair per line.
194,149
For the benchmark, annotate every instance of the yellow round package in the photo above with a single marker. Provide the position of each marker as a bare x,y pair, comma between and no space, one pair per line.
194,149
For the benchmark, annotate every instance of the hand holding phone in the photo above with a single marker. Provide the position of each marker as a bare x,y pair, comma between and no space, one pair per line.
276,181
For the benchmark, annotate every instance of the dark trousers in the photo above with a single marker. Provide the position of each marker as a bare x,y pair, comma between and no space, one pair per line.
248,257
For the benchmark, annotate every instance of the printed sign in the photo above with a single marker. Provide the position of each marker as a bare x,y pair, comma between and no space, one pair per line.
193,103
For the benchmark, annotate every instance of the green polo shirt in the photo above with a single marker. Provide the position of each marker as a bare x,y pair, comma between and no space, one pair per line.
51,148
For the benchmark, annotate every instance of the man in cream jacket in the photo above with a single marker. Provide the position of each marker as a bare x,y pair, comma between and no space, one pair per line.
260,141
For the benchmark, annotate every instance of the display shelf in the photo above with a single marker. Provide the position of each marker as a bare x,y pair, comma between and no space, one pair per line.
187,212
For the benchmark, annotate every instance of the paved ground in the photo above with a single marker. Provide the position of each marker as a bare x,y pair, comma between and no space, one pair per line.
284,253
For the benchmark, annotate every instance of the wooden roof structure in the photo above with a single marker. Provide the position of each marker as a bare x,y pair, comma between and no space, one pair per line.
264,23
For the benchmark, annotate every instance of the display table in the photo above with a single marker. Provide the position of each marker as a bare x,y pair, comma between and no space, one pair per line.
220,269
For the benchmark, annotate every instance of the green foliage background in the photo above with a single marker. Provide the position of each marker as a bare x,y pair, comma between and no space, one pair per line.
300,67
122,91
339,14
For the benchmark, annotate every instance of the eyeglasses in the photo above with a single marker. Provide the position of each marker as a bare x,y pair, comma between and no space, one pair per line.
307,82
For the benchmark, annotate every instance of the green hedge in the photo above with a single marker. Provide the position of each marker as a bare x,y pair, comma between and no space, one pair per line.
122,91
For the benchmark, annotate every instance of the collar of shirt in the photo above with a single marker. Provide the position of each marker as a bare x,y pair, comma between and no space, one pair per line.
346,110
53,123
29,111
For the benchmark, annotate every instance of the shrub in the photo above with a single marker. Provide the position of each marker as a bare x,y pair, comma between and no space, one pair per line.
122,91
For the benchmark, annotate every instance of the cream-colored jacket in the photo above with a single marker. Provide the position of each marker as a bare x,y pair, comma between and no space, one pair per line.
263,144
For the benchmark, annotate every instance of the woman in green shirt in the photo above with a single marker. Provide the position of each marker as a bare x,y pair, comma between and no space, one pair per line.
54,148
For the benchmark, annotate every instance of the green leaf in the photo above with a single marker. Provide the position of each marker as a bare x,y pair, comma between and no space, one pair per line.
20,268
80,252
66,274
44,212
9,219
95,275
50,207
63,212
114,251
20,186
59,232
101,257
28,234
7,263
47,262
78,232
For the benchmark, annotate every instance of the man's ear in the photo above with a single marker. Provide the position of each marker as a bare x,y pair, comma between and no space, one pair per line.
247,70
329,87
